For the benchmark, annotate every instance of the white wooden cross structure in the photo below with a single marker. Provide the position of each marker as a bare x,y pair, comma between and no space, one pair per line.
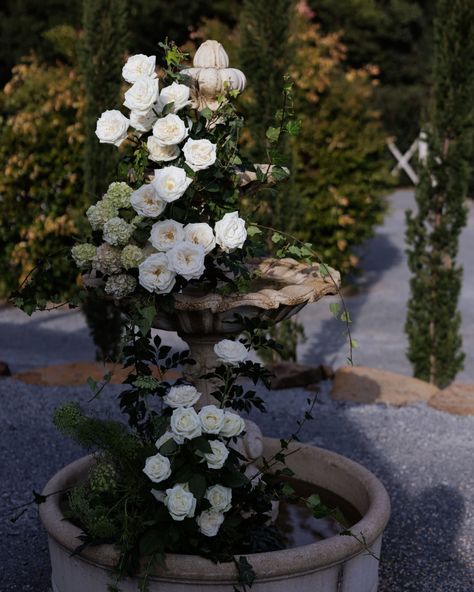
403,160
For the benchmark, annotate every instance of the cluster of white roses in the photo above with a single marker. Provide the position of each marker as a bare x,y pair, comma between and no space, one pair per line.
186,424
174,249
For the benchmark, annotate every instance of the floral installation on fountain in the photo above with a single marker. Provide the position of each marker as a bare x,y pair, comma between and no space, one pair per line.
175,479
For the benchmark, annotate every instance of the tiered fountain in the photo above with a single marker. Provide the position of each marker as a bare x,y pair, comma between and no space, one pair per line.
336,564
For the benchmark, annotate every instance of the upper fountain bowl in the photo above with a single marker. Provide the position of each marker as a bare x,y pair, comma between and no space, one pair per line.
281,289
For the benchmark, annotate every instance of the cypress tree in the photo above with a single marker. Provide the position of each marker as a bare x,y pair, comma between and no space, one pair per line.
102,57
433,320
265,57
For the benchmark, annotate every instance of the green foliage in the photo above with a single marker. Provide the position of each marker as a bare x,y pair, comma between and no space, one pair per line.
102,55
40,169
433,321
396,36
289,333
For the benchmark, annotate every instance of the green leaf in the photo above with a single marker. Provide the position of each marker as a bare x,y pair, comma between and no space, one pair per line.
323,270
168,448
313,501
253,230
287,490
246,572
197,485
345,317
354,343
273,133
202,444
335,308
277,238
147,317
206,113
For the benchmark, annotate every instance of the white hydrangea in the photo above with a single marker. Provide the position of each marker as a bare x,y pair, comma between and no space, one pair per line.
107,259
119,286
101,213
175,93
117,232
118,194
180,502
166,234
146,202
219,497
144,122
233,425
199,154
182,395
170,130
171,183
185,424
131,256
231,352
157,468
209,522
112,127
212,419
142,95
230,232
139,65
202,234
159,153
216,459
154,275
83,254
187,260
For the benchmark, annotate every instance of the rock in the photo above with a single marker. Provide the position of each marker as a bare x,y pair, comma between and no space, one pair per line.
4,369
291,374
457,399
371,385
77,373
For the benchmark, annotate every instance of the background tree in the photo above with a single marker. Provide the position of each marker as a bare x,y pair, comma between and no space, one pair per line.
433,320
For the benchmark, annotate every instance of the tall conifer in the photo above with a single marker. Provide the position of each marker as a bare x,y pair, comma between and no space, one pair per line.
433,320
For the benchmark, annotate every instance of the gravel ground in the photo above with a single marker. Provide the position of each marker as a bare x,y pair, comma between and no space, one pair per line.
424,457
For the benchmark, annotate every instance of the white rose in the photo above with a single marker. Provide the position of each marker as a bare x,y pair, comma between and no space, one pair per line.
154,275
144,122
145,201
166,234
187,260
185,424
202,234
216,459
142,95
166,437
157,468
230,232
175,93
183,395
159,153
199,154
212,419
234,425
137,66
170,130
230,352
180,502
209,522
112,127
220,497
171,182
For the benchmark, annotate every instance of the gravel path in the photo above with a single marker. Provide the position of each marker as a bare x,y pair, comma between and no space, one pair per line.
424,457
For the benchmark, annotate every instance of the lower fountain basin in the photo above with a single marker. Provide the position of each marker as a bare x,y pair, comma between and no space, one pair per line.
336,564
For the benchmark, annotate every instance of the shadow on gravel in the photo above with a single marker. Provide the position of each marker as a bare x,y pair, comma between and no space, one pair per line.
379,256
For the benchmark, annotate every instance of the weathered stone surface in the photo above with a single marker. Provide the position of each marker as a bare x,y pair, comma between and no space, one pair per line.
77,373
371,385
291,374
457,398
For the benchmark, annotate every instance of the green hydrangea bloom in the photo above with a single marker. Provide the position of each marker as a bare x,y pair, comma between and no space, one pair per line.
119,194
119,286
103,478
117,232
131,256
83,254
107,259
101,213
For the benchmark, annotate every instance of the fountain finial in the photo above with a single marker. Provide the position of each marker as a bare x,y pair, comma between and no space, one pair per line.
211,74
